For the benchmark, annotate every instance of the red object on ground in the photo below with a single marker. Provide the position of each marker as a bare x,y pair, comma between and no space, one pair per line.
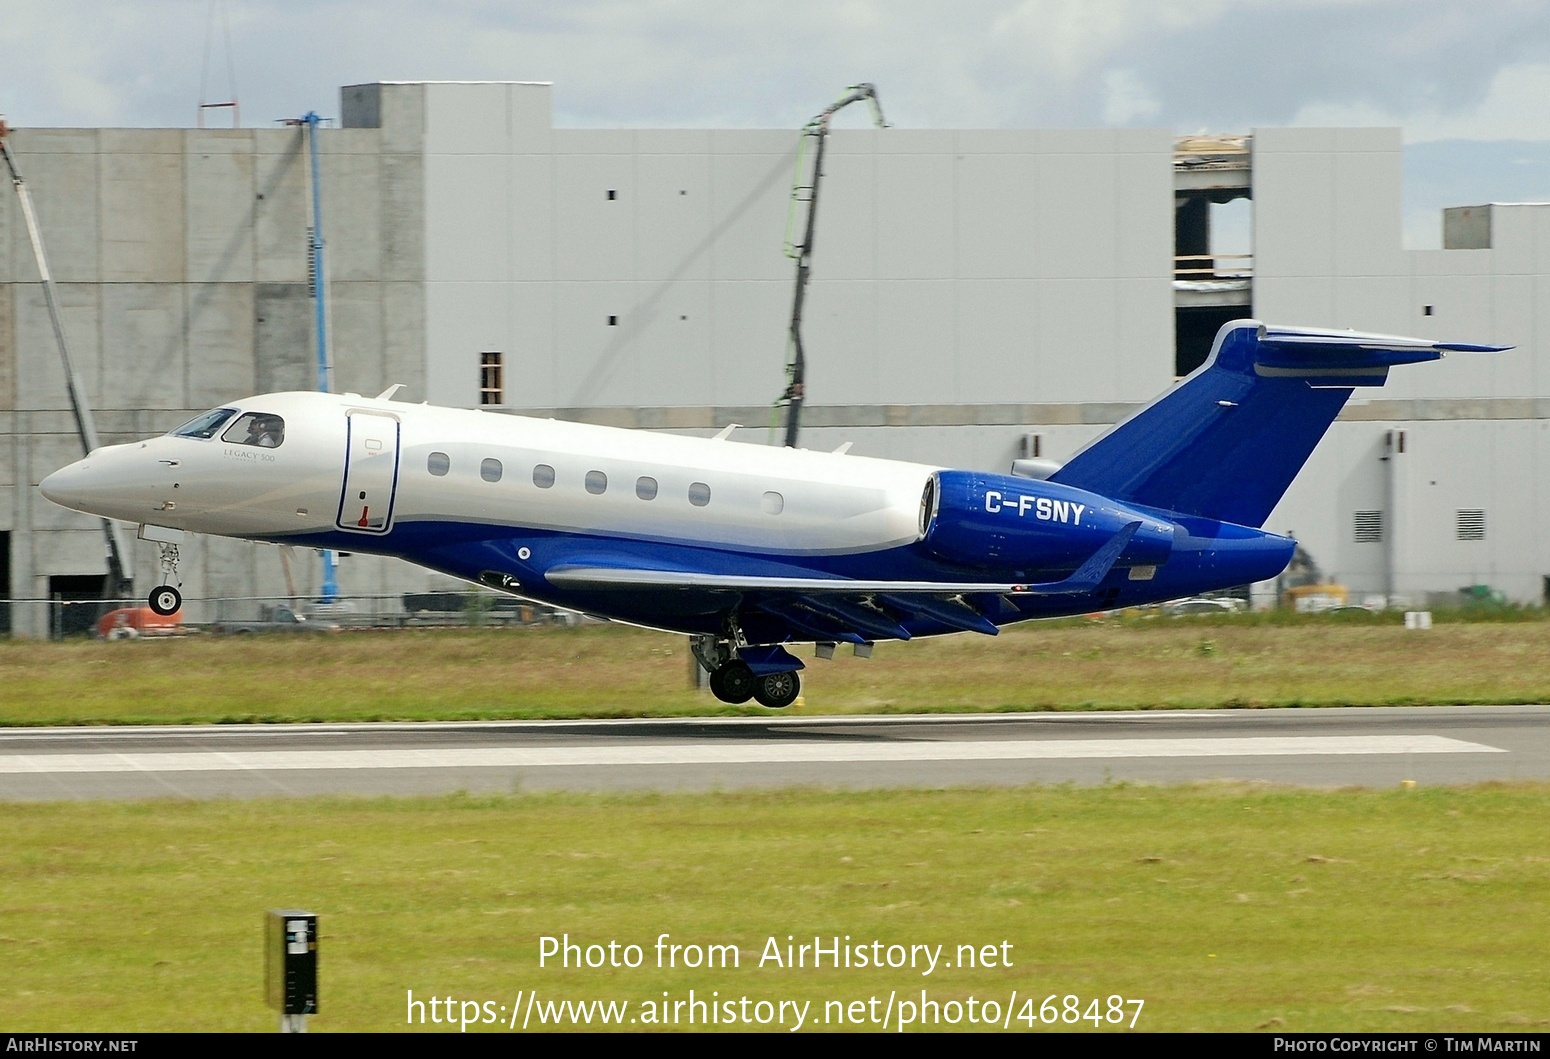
129,622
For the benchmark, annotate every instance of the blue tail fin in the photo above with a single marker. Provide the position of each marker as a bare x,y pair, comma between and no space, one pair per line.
1227,441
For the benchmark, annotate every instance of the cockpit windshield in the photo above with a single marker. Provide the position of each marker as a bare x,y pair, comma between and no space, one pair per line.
257,428
205,426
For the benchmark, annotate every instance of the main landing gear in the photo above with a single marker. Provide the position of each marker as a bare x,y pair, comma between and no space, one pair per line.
731,680
165,599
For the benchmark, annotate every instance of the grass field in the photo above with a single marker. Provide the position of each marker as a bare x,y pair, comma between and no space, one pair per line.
1222,907
603,671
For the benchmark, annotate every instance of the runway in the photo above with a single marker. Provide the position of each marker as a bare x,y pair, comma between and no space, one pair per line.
1315,747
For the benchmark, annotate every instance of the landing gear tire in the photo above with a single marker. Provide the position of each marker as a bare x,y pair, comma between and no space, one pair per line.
166,600
778,690
734,683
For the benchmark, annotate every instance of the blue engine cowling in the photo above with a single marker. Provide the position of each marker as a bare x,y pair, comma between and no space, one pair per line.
996,520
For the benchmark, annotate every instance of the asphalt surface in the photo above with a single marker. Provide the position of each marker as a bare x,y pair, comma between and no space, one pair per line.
1313,747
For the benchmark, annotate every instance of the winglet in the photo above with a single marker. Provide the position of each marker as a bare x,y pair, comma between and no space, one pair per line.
1091,573
387,394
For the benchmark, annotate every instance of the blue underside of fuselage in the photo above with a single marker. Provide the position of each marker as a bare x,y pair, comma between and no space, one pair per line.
1206,556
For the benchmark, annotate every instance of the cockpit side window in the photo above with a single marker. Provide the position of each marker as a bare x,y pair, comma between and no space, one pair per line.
257,428
205,426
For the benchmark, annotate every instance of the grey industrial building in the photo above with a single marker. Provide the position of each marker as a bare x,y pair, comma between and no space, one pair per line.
977,295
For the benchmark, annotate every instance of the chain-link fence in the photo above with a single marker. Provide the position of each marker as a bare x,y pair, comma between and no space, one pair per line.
115,619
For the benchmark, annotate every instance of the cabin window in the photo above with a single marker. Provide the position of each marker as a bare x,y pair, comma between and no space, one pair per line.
543,476
492,378
257,428
490,470
773,503
597,482
438,463
646,488
699,494
206,425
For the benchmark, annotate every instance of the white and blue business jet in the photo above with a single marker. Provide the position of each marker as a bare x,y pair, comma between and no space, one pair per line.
748,548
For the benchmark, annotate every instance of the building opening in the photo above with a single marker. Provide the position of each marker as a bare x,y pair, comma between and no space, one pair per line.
76,605
1212,242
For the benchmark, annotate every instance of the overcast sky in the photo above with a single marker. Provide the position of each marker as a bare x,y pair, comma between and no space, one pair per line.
1442,69
1439,69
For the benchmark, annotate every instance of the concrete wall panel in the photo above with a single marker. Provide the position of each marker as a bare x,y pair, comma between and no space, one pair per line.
595,361
462,320
839,332
467,119
62,180
219,215
1078,339
672,217
916,230
142,218
998,235
917,347
749,322
355,339
672,352
467,218
846,239
352,208
531,110
999,328
750,194
40,378
404,351
1143,210
283,209
530,362
1366,214
1294,215
8,353
1076,221
283,344
402,223
143,354
532,217
594,235
220,321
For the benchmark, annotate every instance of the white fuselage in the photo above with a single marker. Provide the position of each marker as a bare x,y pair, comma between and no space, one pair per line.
364,466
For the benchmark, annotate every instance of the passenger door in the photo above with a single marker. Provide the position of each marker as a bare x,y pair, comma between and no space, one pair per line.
370,472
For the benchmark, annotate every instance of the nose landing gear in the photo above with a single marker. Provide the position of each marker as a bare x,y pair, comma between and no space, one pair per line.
165,599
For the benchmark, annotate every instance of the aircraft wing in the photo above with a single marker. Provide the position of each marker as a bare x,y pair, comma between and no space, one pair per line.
833,601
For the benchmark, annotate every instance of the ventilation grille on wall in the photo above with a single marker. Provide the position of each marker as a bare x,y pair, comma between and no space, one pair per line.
1369,527
1471,525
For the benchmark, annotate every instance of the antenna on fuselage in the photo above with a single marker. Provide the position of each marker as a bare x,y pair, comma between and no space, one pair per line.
802,253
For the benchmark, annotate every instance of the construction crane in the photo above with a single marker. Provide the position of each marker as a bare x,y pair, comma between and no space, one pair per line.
816,130
120,578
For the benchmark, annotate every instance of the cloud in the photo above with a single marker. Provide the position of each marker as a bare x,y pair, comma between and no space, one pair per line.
1435,66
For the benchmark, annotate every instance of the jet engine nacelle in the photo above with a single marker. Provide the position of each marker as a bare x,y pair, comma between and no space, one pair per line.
1000,520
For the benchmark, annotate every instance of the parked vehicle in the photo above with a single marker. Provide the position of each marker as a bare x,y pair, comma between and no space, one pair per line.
280,619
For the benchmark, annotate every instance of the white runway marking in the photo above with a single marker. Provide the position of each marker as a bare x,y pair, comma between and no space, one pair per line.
735,753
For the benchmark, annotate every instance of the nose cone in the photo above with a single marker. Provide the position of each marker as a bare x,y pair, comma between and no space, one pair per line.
110,482
67,486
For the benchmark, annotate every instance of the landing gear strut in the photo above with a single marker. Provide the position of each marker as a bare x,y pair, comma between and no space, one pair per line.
166,599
